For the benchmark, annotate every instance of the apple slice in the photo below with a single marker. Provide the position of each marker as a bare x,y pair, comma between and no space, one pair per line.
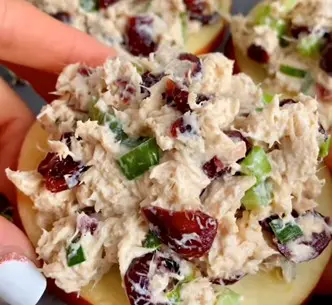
209,37
260,289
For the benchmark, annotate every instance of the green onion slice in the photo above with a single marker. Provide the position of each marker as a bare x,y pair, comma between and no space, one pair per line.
114,124
307,84
325,148
267,98
285,232
139,160
174,296
152,241
257,164
260,195
292,71
229,297
184,25
310,45
75,255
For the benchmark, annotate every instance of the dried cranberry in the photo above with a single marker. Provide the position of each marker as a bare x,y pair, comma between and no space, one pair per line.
197,64
326,59
296,30
138,274
148,80
54,170
196,10
188,233
63,17
317,243
127,91
258,54
138,38
176,97
179,126
238,136
136,280
286,101
87,224
106,3
323,94
84,71
214,168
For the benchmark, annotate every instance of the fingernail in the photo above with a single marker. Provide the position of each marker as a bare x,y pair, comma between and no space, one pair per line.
20,281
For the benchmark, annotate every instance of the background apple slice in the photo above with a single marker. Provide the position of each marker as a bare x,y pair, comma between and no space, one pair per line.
260,289
210,37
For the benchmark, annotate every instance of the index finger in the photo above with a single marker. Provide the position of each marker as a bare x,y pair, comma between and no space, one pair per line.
44,43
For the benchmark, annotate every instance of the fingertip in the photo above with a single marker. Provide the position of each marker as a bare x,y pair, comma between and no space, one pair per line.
13,240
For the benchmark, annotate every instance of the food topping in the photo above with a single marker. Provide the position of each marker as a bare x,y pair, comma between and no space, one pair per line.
178,171
189,233
138,27
293,42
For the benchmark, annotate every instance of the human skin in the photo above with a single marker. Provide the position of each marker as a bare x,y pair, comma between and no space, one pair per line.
37,52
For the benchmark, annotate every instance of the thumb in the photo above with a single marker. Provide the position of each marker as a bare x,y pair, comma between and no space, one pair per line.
21,283
15,120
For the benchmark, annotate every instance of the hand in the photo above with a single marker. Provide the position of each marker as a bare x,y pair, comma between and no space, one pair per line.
37,51
37,48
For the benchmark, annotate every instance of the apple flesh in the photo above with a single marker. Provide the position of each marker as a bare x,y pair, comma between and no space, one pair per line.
209,37
260,289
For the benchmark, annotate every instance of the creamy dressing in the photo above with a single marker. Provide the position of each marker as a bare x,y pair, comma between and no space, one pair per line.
315,19
109,25
105,206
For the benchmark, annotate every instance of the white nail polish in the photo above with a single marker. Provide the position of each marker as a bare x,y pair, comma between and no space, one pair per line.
20,281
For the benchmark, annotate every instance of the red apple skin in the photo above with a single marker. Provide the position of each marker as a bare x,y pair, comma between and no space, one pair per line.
216,42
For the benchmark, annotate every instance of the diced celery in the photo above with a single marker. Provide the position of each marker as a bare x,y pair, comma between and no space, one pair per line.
75,255
229,297
307,84
152,241
310,45
184,25
292,71
289,4
257,164
260,195
325,148
262,14
95,114
285,232
174,296
139,68
140,159
267,98
280,26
